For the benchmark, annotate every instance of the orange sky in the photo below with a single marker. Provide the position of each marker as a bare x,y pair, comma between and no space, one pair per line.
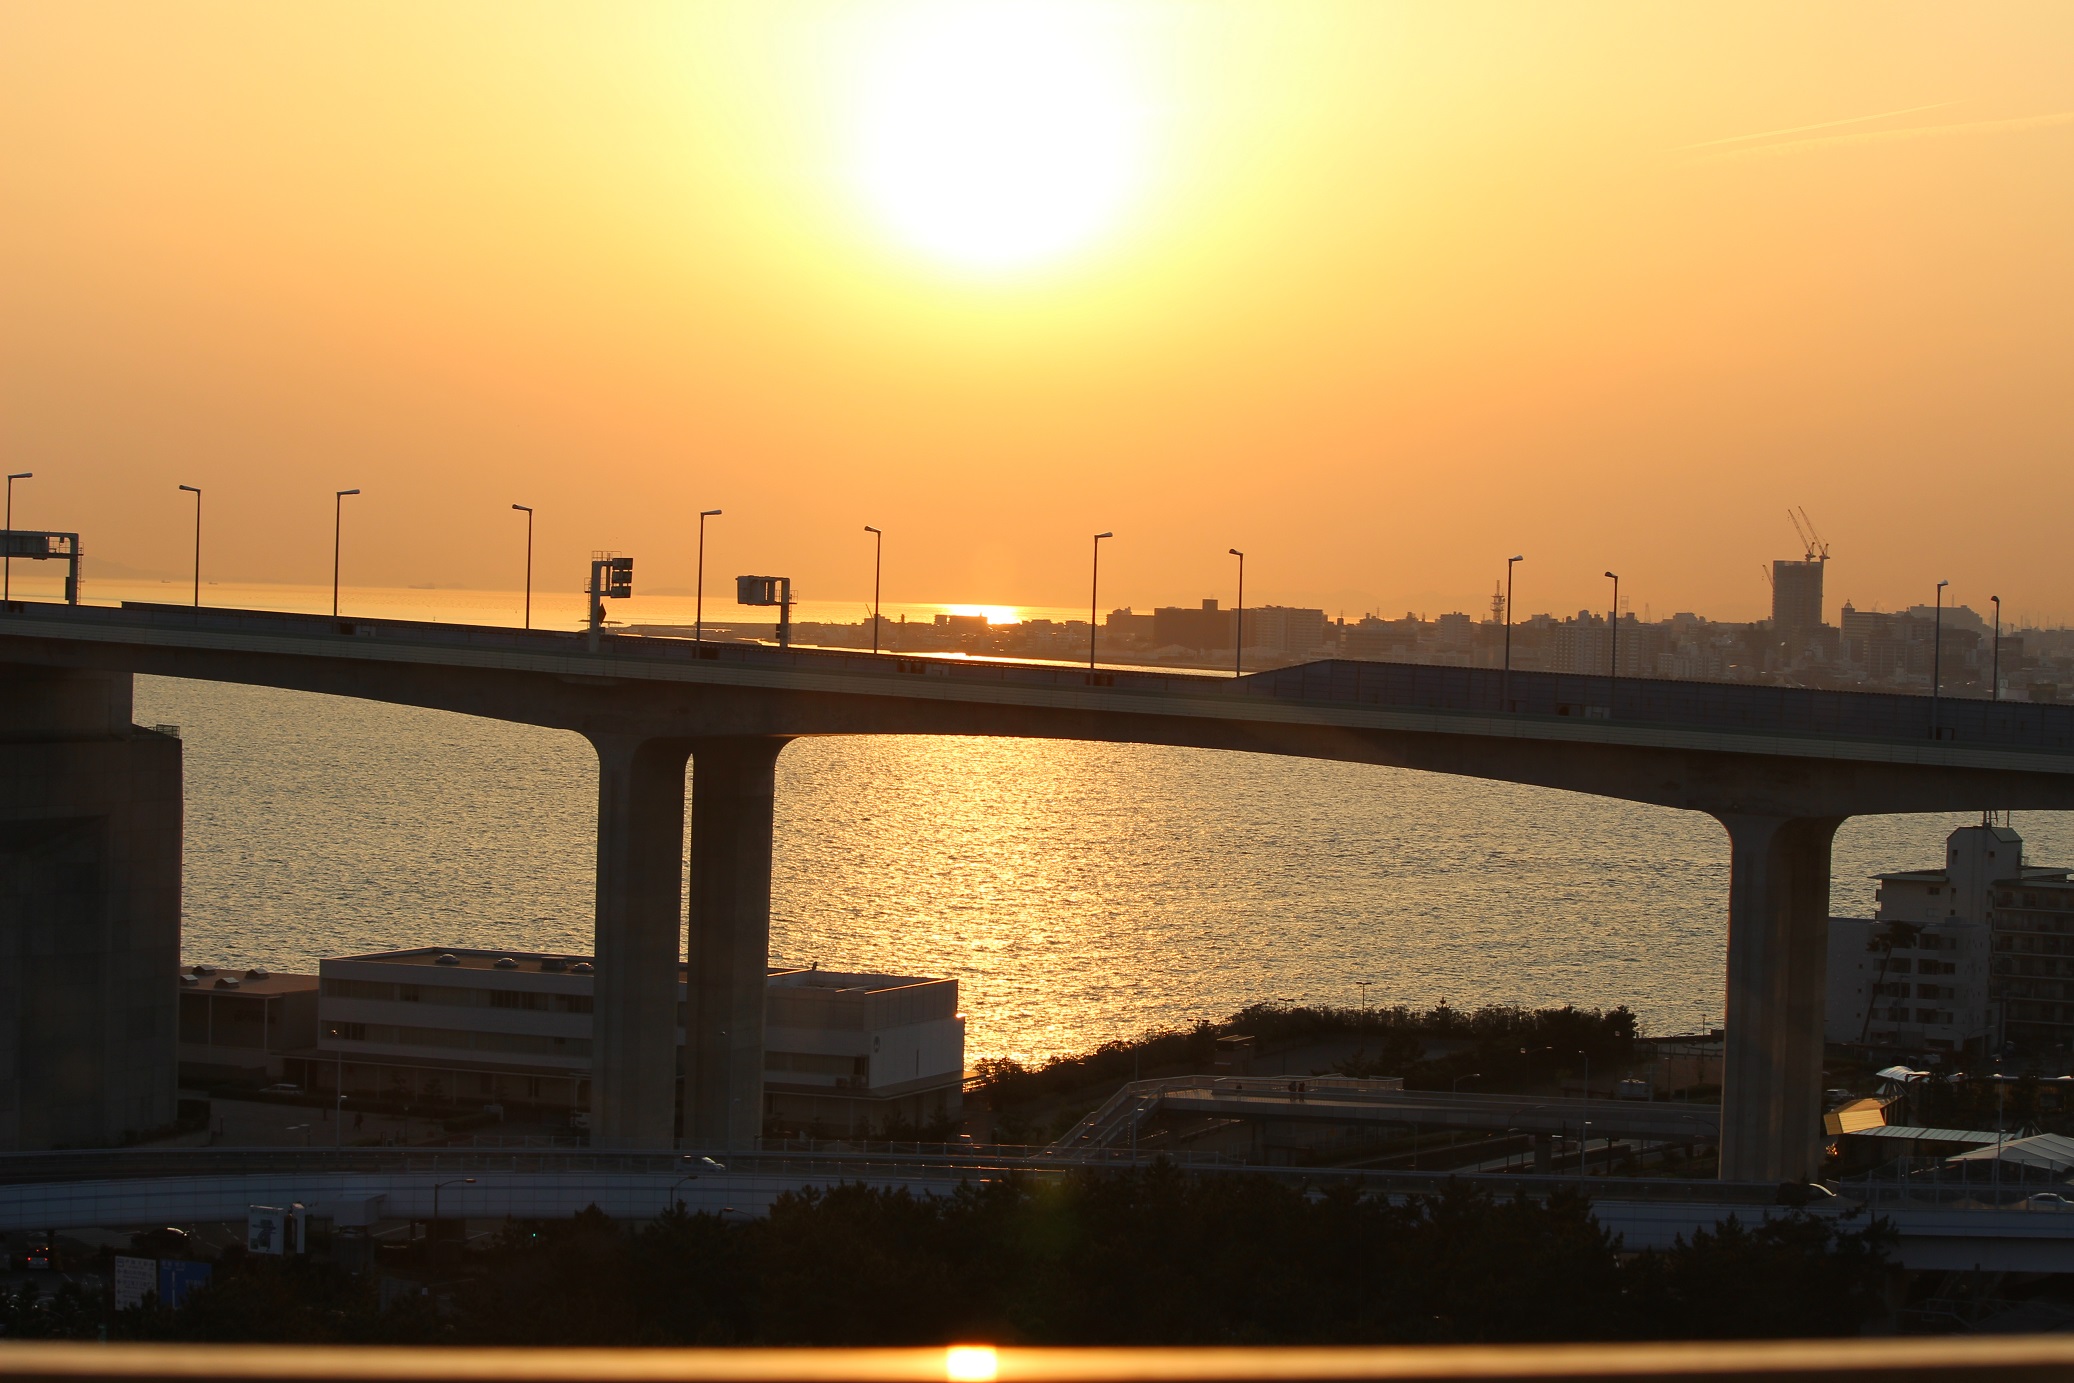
1394,293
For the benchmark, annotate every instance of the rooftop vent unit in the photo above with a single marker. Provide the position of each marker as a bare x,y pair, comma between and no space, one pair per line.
446,958
583,967
506,963
226,982
203,969
189,979
259,972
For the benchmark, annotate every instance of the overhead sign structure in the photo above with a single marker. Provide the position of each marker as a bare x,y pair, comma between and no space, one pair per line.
769,590
35,546
612,578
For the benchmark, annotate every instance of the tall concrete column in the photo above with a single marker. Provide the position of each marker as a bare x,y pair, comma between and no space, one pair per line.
727,954
1778,953
640,881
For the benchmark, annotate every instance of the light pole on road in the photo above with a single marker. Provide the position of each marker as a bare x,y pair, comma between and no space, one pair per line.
1238,625
7,564
698,608
1995,668
1094,599
1613,657
527,510
878,556
1937,657
1505,678
338,519
196,491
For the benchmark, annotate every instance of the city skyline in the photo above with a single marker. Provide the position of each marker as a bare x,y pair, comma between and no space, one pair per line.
1368,288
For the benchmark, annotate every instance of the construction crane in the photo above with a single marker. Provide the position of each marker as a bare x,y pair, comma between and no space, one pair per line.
1811,542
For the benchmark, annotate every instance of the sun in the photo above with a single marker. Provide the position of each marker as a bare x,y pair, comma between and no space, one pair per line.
995,135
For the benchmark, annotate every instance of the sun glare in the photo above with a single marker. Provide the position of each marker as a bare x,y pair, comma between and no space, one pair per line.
995,614
997,134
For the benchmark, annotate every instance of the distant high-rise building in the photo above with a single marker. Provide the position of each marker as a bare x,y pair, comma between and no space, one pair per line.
1797,597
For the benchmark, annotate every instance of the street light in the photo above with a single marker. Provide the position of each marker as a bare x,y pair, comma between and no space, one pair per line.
457,1181
1238,631
1505,678
1093,599
338,513
7,570
1937,657
1584,1143
196,491
698,617
527,510
1613,656
1995,672
1363,985
878,554
671,1203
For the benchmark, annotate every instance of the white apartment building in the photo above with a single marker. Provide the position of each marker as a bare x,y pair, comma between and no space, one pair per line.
843,1052
1918,974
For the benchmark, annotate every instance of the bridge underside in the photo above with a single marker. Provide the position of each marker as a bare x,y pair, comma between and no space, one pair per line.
1781,809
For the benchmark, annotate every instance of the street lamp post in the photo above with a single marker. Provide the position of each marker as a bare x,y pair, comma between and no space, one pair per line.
7,563
196,491
338,518
527,510
878,556
1937,657
1238,628
1613,647
457,1181
1094,591
698,617
671,1203
1995,668
1584,1143
1505,679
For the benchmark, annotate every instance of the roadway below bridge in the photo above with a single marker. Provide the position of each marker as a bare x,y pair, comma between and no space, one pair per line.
1280,1101
1936,1228
1780,768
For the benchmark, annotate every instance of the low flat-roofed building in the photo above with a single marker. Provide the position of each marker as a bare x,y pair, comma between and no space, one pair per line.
237,1027
844,1052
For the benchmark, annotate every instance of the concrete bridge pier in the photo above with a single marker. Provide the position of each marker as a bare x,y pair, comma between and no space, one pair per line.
640,883
1778,920
727,952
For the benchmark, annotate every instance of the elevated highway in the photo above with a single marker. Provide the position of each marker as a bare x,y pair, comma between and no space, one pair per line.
1780,768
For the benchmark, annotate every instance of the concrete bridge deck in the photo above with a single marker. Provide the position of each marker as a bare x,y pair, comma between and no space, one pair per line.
1781,768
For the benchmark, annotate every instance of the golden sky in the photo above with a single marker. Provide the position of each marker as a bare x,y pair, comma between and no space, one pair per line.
1380,293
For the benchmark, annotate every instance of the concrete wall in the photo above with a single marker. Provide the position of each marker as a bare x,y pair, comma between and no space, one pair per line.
90,822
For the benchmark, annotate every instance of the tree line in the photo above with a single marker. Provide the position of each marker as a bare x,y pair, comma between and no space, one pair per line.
1142,1256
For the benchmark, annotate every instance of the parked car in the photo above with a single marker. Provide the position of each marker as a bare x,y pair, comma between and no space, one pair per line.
282,1088
2047,1200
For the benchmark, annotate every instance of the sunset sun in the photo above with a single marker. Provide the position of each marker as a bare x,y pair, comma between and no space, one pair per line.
997,136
